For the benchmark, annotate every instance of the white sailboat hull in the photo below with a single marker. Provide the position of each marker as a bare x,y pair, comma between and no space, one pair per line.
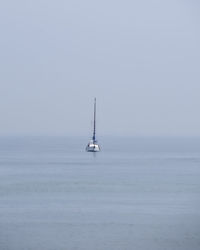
92,147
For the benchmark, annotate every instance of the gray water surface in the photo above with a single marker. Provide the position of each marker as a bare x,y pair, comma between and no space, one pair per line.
136,194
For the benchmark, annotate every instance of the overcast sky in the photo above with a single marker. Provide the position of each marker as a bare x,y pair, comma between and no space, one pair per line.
141,59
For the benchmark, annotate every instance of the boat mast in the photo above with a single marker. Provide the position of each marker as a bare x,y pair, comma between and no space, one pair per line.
94,131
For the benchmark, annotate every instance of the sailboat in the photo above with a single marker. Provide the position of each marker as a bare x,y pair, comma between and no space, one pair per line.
93,145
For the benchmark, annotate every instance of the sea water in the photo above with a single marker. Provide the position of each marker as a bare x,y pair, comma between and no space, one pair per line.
136,194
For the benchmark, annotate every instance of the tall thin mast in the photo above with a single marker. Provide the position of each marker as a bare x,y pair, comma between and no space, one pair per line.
94,131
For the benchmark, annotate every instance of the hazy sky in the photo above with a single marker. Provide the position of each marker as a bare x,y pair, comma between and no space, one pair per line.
141,59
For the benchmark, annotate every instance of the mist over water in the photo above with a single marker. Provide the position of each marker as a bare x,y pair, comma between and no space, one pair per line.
141,60
136,194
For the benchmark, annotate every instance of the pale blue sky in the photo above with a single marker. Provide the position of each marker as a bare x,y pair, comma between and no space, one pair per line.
141,59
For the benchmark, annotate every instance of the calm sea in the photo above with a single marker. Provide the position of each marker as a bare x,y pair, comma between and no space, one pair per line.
136,194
